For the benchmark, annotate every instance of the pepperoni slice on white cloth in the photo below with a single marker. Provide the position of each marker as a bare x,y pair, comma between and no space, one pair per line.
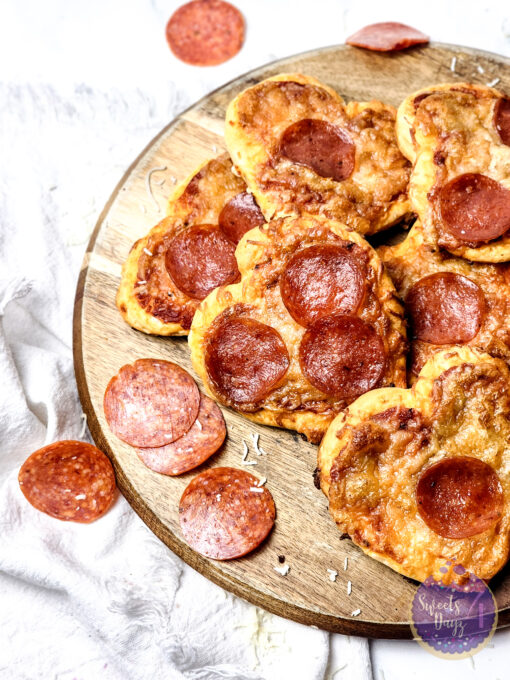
225,514
460,497
69,480
151,403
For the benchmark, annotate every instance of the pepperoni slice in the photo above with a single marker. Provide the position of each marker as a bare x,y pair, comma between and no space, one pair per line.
245,359
151,403
475,207
224,514
387,36
200,259
502,120
342,356
240,215
445,308
199,443
460,497
321,146
70,480
205,32
322,280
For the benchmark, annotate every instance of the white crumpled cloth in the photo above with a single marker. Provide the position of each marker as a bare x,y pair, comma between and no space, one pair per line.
83,87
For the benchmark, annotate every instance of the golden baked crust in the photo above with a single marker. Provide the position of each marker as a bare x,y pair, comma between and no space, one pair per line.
262,256
374,454
448,130
412,260
157,306
372,198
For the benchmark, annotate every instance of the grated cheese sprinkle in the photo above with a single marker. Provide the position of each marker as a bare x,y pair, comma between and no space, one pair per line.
283,570
257,489
149,187
258,450
80,497
147,252
494,82
356,612
83,425
346,563
141,283
332,574
480,69
453,64
349,587
262,481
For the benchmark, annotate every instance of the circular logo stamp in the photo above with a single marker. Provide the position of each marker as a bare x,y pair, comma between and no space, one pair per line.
454,620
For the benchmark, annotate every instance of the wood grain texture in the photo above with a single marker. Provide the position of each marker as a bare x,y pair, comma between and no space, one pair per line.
304,532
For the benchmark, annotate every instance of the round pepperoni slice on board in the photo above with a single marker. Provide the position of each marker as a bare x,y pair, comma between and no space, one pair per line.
342,356
502,120
387,36
460,497
323,280
205,32
240,215
445,308
475,207
200,259
70,480
151,403
245,359
204,438
224,514
321,146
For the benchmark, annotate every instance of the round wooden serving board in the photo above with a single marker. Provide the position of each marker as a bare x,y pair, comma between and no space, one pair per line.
304,532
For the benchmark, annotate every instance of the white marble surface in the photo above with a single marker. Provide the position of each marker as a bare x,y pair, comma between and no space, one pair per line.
83,87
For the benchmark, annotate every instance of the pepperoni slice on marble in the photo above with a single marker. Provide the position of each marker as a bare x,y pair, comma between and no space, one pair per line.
342,356
200,442
69,480
321,146
445,308
200,259
224,514
387,36
322,280
460,497
151,403
475,208
205,32
245,359
502,119
240,215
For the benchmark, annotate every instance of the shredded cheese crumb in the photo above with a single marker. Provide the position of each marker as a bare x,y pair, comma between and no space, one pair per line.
257,489
346,563
349,587
141,283
283,570
199,424
480,69
332,574
218,496
258,450
262,481
147,252
173,179
245,454
356,612
148,185
494,82
453,64
83,425
80,497
235,171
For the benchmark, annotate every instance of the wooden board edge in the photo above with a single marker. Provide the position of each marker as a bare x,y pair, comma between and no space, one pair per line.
333,624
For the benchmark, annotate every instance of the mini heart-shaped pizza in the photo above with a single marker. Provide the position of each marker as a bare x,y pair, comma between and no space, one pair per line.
420,477
188,253
313,323
458,136
301,149
447,300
